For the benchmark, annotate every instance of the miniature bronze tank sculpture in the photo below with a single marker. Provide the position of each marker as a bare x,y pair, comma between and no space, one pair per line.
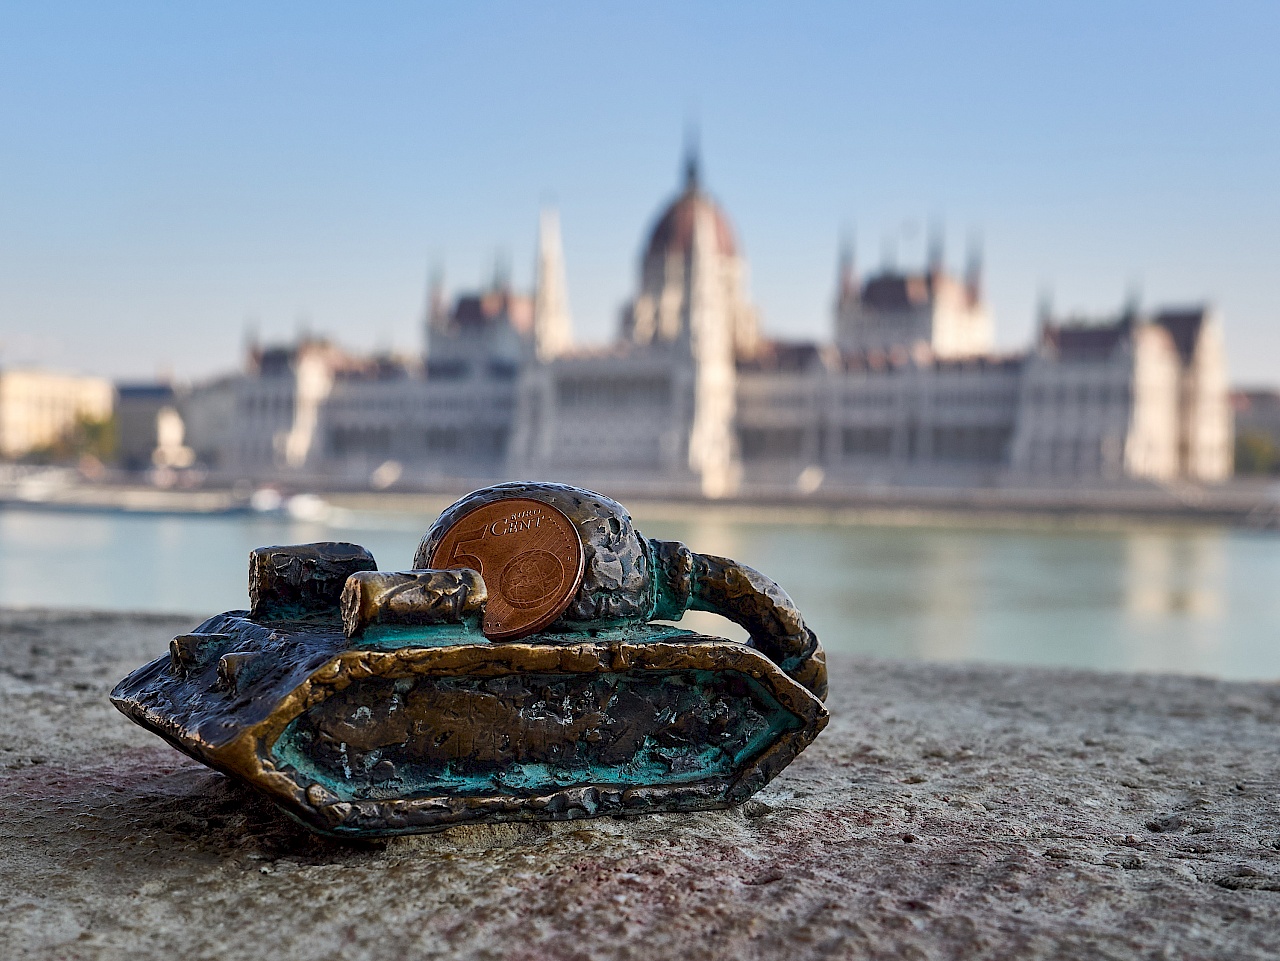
515,674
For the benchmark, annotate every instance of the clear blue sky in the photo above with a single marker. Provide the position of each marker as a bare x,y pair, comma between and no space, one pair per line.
169,172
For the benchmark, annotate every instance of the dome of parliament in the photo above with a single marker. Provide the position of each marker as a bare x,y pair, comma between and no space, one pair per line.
673,233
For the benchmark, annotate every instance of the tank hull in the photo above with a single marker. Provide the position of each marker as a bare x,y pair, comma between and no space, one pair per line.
419,731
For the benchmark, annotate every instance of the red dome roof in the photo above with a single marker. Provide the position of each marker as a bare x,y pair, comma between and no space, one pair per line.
674,231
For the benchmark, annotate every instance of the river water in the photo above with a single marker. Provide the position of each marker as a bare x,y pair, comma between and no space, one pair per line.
1188,600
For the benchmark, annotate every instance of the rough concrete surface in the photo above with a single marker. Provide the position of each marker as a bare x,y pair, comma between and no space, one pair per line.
947,812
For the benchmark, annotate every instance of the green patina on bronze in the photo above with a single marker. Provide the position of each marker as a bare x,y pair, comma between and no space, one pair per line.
518,734
406,718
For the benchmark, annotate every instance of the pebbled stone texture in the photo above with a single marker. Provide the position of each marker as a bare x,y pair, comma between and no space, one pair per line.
946,812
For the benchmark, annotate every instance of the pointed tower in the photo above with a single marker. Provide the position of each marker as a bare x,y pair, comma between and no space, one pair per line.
846,274
710,339
437,306
973,270
1044,307
848,291
252,345
1132,307
692,161
552,327
937,256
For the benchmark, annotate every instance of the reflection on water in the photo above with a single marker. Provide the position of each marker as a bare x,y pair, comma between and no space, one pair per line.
1195,600
1165,577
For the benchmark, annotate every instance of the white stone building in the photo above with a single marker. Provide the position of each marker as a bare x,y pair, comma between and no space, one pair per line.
658,408
931,309
1144,396
37,407
692,399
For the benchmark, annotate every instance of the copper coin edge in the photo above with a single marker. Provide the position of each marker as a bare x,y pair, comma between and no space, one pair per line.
556,609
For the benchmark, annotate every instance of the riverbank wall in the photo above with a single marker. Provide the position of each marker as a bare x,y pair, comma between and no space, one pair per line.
1251,506
946,812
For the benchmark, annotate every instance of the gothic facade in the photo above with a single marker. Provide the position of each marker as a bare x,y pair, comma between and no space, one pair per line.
693,399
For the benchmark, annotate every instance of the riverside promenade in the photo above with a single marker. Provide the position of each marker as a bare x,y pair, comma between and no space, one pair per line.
1250,504
946,812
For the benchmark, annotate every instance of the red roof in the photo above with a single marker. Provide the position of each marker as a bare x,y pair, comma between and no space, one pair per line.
475,312
674,231
892,291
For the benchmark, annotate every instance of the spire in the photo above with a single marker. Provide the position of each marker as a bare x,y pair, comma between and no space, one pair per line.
249,338
692,161
1044,311
437,303
973,270
937,248
552,327
889,254
501,271
846,272
1132,302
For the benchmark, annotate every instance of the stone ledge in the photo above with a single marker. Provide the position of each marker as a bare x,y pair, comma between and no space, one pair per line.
947,812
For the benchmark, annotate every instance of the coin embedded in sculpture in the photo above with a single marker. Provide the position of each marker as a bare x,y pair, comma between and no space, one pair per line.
530,556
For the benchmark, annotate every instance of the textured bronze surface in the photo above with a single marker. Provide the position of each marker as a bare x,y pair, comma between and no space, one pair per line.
409,598
629,579
387,711
302,577
530,556
747,597
513,732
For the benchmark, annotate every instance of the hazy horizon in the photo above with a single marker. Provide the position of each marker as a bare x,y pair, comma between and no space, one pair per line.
171,175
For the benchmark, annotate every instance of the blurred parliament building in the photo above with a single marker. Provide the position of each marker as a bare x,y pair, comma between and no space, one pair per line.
693,398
